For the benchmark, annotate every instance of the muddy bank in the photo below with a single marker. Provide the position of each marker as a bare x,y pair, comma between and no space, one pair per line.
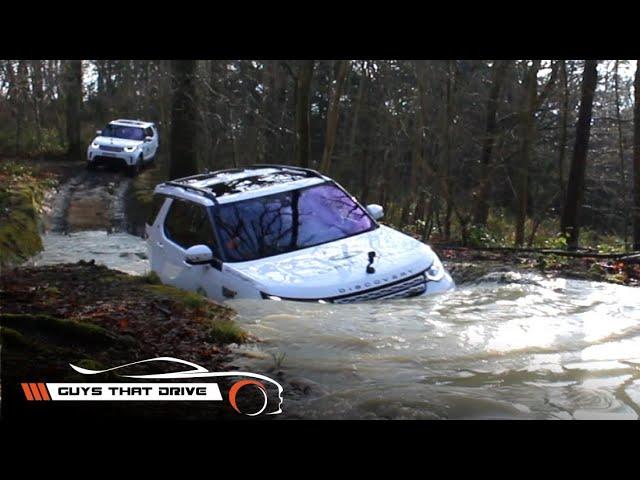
139,197
470,265
92,316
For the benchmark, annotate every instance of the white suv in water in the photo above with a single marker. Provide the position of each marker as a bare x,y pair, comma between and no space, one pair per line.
127,143
283,233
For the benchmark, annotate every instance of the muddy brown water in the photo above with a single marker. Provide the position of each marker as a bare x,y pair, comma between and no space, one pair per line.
508,345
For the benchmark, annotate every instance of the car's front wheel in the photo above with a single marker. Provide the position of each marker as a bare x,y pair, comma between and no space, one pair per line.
133,170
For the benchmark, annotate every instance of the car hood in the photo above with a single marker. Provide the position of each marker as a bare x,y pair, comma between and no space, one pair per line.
117,142
339,267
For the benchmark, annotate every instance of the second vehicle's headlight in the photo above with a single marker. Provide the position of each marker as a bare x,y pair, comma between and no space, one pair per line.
130,149
436,271
95,145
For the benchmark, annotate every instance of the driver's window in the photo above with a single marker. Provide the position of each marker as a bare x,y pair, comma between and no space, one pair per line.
187,224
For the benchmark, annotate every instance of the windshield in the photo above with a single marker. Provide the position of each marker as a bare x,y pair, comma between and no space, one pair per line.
119,131
287,221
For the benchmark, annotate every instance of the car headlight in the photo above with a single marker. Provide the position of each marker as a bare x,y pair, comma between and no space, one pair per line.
130,149
95,145
436,271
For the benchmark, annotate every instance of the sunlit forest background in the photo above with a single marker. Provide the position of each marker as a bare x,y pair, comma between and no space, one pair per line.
480,152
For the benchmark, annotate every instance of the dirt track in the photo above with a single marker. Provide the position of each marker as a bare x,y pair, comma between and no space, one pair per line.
90,201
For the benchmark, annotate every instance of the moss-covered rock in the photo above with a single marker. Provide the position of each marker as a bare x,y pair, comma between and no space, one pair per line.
21,198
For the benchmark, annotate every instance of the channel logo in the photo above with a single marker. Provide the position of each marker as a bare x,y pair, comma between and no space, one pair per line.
269,391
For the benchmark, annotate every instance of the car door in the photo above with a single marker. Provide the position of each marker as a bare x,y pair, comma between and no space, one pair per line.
187,224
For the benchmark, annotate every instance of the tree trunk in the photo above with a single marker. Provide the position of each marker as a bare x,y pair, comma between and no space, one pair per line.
481,212
447,148
303,105
184,161
564,124
37,97
356,112
528,124
636,159
623,176
73,101
21,92
332,117
575,188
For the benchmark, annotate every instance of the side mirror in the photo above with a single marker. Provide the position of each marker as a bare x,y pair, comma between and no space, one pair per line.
148,139
376,211
198,255
98,132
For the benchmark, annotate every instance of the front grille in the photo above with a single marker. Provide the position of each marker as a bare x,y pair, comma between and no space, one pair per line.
410,287
109,148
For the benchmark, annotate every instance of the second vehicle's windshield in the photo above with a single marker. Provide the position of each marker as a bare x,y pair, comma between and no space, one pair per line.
280,223
119,131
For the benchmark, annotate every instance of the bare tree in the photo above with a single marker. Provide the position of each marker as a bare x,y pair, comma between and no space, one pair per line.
636,159
183,119
481,211
333,115
73,101
575,188
528,131
303,106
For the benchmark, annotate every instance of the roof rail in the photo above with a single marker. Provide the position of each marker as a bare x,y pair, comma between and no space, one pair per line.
204,176
205,193
313,172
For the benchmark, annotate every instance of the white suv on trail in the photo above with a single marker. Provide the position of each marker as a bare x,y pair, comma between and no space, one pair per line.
283,233
127,143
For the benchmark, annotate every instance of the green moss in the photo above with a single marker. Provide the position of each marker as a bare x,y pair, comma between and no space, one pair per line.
152,278
187,299
46,325
226,331
21,198
89,364
12,338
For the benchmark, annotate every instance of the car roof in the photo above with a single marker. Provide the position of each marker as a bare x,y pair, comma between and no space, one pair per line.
131,123
227,186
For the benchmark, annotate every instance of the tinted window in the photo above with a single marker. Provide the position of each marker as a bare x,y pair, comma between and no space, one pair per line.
148,132
274,224
156,205
187,224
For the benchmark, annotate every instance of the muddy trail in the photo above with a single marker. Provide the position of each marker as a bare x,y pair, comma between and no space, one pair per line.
90,201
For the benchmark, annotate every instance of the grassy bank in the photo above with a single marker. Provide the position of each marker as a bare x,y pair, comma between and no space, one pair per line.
22,194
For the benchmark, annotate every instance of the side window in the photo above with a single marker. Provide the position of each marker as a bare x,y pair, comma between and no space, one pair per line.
156,205
187,224
148,132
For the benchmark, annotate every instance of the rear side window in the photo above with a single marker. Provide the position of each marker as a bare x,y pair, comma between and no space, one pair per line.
156,205
187,224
